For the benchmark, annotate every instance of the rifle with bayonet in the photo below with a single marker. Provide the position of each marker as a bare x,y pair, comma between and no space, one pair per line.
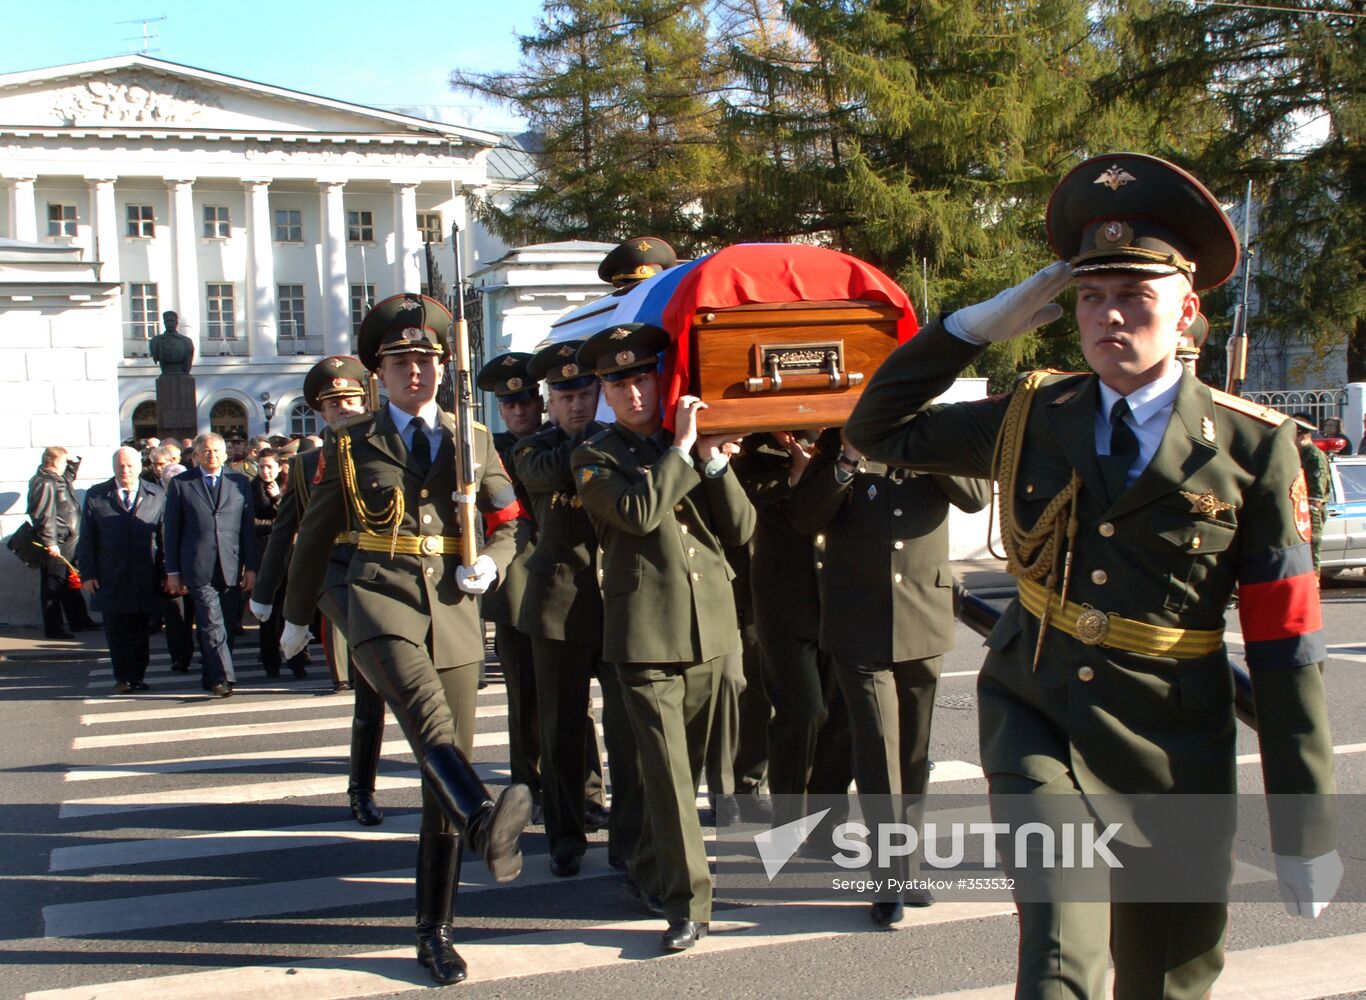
466,486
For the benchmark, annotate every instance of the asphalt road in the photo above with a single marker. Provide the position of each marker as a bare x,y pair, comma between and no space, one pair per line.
172,846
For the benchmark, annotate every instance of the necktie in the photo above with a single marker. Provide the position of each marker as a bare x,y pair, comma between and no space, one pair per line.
212,483
421,448
127,500
1123,451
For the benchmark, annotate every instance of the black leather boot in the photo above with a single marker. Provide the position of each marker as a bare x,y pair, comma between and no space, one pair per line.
438,876
493,828
366,739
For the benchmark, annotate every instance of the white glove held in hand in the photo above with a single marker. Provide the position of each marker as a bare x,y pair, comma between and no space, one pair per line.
261,612
1308,885
478,578
294,639
1015,311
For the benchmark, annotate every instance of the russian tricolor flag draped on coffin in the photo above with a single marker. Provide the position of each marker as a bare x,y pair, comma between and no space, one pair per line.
818,295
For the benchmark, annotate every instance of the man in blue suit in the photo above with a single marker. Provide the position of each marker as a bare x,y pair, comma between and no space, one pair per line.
211,553
119,558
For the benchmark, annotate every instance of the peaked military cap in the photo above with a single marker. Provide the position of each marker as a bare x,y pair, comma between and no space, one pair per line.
637,259
402,324
623,350
1131,212
334,378
507,378
559,365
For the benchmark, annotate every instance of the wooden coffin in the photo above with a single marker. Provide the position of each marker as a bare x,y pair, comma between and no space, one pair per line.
789,365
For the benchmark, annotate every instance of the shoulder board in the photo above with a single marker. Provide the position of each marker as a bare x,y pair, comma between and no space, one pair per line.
1247,407
354,420
1044,376
599,437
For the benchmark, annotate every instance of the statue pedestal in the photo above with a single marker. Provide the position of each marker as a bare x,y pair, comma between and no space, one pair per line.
177,412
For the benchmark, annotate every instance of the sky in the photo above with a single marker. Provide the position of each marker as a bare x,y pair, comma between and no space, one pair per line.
379,54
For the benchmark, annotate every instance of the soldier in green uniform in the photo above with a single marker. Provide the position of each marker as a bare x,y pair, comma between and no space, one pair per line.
336,389
389,480
663,521
887,618
635,260
1134,499
1317,479
562,612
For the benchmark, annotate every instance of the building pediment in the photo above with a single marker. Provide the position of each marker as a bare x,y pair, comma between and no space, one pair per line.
139,92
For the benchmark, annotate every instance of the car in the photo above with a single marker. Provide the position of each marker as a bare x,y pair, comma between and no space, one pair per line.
1344,516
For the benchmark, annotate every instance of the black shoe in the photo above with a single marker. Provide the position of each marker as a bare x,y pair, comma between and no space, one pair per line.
596,816
63,636
339,686
725,810
180,668
754,808
299,675
122,687
918,897
141,686
564,867
436,952
886,914
221,691
683,934
438,874
363,807
87,627
273,673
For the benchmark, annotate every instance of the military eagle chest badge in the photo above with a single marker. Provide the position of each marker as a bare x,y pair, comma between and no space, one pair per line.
1206,504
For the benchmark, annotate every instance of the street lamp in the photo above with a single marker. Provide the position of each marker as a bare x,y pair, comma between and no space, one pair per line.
268,408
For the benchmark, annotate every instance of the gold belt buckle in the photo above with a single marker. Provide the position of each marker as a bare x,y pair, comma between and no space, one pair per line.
1092,626
430,545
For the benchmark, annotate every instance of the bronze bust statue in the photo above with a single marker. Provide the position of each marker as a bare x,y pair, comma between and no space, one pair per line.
172,350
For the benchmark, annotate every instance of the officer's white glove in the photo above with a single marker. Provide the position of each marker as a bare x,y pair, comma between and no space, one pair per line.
294,639
477,578
1015,311
261,612
1308,885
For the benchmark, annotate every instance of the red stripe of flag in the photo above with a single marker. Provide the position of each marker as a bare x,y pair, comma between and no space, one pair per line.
1279,609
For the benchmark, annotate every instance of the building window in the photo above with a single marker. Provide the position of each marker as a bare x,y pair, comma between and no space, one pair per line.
61,219
222,323
429,225
229,419
141,221
362,298
290,299
302,420
360,227
216,224
143,311
289,225
145,420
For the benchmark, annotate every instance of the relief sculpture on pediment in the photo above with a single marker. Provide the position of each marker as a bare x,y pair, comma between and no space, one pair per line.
330,155
138,99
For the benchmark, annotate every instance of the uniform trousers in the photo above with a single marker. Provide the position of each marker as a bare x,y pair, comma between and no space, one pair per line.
808,736
433,707
367,719
1161,951
564,671
524,733
129,640
670,708
890,708
737,753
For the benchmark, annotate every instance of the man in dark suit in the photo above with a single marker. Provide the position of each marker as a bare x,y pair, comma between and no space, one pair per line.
119,557
211,553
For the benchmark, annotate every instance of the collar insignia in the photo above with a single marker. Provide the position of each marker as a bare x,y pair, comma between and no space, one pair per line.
1115,178
1206,504
1207,429
1066,397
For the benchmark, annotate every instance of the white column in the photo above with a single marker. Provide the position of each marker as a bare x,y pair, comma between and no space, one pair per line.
263,320
336,311
1356,415
23,210
407,242
104,227
185,251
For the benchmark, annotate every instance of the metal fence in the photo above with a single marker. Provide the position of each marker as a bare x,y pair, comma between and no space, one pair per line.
1318,403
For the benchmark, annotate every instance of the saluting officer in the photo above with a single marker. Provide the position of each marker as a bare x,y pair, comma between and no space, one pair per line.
390,480
1133,500
520,406
887,618
663,521
335,388
562,612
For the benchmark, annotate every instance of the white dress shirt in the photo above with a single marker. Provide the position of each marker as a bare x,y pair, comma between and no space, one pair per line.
1150,410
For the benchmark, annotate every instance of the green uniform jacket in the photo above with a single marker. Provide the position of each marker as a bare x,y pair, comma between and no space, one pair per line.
886,585
561,599
280,547
663,528
402,595
1121,721
1316,475
500,605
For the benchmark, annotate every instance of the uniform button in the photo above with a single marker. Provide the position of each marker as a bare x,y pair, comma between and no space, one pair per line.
1029,488
678,507
897,512
898,545
423,494
1086,674
1195,542
820,565
820,539
1099,576
1106,529
683,528
691,552
426,519
428,571
896,577
697,576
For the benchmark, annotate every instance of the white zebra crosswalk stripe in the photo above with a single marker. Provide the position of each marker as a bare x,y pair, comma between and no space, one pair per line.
225,761
210,732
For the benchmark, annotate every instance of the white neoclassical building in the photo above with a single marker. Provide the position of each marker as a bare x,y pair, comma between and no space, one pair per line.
266,218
